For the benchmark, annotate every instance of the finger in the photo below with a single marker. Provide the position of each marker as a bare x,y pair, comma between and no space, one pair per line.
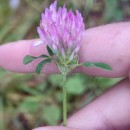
55,128
109,111
12,54
108,44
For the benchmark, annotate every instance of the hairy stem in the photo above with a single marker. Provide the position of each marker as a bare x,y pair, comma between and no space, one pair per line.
64,101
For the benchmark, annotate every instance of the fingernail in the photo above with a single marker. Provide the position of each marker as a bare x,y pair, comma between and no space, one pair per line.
37,43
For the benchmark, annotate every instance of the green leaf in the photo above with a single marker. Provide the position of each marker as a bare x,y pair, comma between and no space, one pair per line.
50,51
30,104
75,85
41,65
51,114
27,59
55,79
42,56
97,64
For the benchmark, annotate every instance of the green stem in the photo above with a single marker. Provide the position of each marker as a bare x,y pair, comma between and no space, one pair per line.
64,101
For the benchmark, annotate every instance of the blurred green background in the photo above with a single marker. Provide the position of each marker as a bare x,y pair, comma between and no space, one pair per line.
30,100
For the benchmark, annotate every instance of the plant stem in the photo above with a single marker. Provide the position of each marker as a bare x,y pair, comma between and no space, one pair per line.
64,101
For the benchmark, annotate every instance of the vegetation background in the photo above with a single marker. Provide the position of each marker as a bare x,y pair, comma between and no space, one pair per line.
30,100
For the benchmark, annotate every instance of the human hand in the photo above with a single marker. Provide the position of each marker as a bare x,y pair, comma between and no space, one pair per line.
108,44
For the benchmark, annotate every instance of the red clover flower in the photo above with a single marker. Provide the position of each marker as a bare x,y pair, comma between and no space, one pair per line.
62,31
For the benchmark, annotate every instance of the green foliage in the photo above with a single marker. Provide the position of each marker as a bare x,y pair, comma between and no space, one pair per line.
97,64
76,85
27,59
51,114
50,51
32,91
56,80
112,12
41,65
1,114
30,104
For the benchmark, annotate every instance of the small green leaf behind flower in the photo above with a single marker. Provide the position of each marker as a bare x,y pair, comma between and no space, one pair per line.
41,65
28,59
50,51
97,64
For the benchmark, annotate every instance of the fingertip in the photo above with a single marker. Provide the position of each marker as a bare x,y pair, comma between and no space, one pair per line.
54,128
12,55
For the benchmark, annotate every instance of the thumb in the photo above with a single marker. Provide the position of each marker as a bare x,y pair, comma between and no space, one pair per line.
109,111
56,128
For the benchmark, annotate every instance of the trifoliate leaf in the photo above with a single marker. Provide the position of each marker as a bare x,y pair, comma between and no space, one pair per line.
50,51
41,65
27,59
97,64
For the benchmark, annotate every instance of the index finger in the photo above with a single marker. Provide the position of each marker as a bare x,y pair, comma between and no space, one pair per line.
108,44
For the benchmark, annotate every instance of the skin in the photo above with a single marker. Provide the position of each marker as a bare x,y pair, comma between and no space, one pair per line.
108,44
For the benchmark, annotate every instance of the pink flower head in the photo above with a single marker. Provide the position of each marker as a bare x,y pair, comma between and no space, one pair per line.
61,30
